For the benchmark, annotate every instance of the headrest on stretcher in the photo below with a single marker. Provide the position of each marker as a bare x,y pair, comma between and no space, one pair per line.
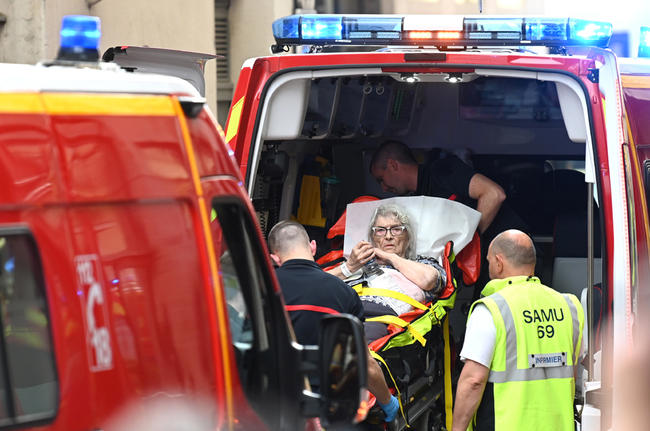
435,221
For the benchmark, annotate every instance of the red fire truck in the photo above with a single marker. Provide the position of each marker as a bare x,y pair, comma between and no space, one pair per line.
539,105
136,291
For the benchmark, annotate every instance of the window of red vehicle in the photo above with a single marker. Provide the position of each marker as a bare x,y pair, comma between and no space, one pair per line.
28,380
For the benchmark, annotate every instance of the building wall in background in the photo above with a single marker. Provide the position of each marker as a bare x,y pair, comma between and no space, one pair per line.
468,7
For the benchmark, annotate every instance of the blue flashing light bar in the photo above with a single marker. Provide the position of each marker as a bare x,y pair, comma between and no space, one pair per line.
644,43
317,28
432,30
80,32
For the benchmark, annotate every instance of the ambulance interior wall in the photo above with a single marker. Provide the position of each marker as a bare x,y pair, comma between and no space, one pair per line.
524,149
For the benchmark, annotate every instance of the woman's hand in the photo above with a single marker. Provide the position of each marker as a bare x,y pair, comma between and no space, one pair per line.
360,255
385,258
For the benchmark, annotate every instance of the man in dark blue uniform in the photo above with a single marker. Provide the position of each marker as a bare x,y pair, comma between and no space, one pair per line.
310,293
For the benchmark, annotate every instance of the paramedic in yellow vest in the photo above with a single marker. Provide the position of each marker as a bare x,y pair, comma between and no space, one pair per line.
522,343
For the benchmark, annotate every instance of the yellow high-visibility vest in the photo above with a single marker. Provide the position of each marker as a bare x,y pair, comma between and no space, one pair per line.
538,337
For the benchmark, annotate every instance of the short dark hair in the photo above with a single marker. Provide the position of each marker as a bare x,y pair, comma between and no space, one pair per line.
287,235
513,251
395,150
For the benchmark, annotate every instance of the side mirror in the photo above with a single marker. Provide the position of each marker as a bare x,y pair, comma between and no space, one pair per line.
343,370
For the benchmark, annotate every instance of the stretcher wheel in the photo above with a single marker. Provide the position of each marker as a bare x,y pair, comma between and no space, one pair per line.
430,420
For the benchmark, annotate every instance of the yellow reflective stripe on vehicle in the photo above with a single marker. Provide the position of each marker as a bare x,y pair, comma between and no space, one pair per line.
629,81
107,104
220,301
21,104
235,118
393,320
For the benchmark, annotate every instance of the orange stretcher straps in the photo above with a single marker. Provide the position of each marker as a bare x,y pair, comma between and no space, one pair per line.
393,320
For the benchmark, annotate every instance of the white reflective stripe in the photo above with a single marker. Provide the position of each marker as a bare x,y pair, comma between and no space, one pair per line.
511,332
531,374
512,374
576,326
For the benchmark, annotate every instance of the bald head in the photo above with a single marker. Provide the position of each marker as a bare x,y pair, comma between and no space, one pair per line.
289,240
511,253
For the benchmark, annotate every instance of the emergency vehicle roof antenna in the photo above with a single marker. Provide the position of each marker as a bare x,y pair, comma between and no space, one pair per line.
480,6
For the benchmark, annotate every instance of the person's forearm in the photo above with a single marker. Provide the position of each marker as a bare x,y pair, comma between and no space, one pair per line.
376,382
336,271
468,395
488,205
468,398
424,276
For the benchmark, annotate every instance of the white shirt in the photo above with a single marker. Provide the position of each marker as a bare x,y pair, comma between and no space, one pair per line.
480,337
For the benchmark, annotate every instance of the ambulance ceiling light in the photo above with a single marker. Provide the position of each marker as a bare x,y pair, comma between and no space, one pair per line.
409,77
644,44
433,30
80,37
454,77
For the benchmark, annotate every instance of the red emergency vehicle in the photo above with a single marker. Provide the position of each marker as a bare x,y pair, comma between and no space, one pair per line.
136,290
539,105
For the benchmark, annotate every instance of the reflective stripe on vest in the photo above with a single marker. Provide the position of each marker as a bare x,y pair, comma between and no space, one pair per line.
512,374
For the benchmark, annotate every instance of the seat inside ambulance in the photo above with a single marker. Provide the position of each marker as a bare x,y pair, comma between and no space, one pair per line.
525,131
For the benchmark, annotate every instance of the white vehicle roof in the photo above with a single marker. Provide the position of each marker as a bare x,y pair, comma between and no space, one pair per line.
107,78
634,65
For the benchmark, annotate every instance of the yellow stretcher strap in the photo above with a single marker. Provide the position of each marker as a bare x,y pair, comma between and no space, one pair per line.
370,291
447,359
399,396
393,320
438,310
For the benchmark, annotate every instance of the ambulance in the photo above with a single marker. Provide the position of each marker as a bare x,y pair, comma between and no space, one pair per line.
136,290
538,105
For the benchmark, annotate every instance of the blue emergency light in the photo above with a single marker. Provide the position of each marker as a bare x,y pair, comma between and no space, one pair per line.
438,31
644,43
80,37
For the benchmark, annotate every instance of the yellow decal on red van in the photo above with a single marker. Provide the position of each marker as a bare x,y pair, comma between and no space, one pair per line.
223,336
20,104
233,121
629,81
107,104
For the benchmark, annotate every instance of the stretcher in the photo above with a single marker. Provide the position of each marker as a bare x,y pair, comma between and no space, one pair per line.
418,355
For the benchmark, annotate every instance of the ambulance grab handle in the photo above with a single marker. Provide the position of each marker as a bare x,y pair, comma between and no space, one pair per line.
590,282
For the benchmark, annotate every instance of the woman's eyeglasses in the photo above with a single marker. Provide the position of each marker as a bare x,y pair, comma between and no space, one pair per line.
381,231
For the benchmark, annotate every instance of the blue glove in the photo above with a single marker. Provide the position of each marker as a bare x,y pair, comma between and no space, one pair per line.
391,408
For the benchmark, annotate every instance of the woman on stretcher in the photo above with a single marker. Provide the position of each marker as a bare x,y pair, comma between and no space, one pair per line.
419,277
